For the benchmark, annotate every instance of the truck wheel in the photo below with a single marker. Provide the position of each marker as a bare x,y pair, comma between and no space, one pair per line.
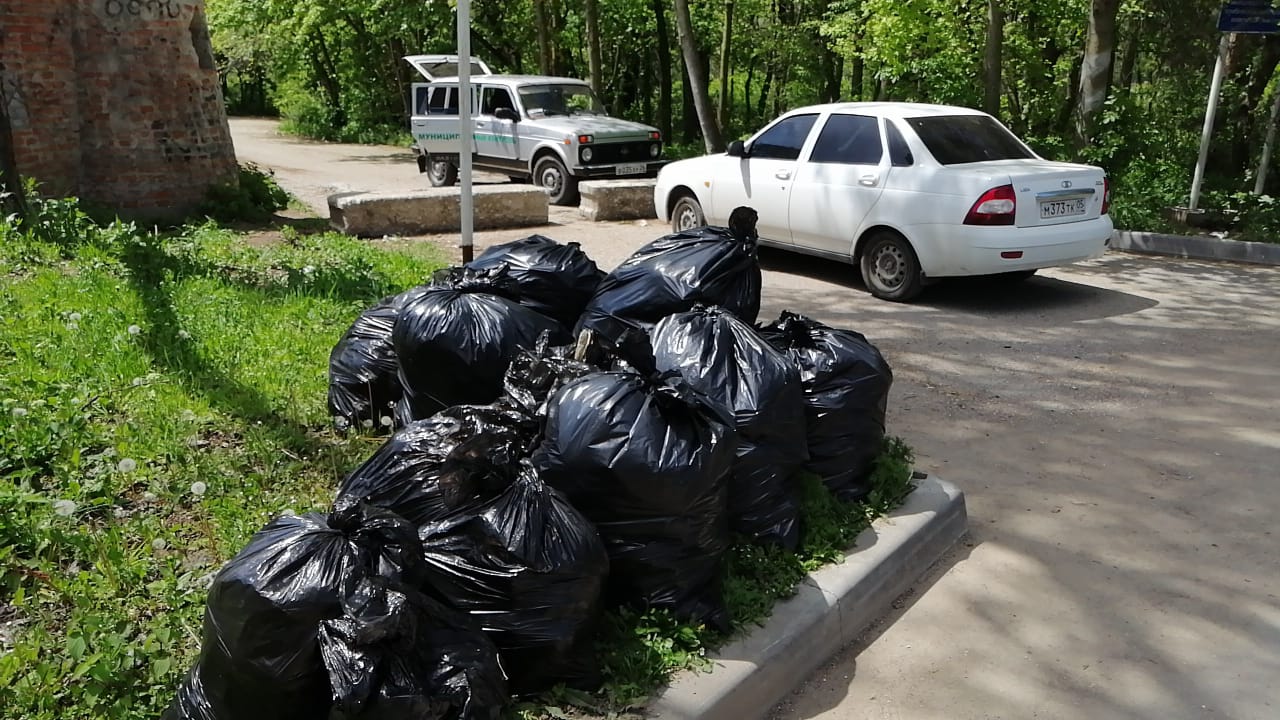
441,172
550,175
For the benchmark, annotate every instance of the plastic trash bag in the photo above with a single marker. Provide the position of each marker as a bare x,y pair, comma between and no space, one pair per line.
531,570
452,462
556,280
534,376
710,266
846,385
260,654
363,384
454,341
396,654
647,459
727,360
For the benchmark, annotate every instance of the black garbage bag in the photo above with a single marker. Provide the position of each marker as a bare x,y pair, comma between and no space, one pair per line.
396,654
363,385
727,360
647,459
556,280
260,654
454,341
846,386
451,462
531,570
535,375
710,266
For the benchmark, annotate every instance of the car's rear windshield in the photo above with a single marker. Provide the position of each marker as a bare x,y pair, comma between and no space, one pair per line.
957,139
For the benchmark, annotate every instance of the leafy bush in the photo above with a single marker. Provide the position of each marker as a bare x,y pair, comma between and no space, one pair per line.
254,196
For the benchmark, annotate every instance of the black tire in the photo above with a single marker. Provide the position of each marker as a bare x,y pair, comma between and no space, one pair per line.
550,175
518,179
890,268
686,214
441,172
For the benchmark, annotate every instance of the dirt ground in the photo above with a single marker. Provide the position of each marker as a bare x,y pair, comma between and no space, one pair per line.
1114,426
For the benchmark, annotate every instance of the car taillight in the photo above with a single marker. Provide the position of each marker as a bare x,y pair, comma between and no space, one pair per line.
997,206
1106,195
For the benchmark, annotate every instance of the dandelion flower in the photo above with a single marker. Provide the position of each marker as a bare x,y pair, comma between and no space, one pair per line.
149,496
134,330
137,382
198,488
184,335
38,403
341,423
308,270
19,412
386,421
127,465
158,544
74,317
73,326
64,508
367,423
120,513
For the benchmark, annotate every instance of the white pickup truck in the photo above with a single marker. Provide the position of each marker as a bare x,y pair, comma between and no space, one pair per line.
551,130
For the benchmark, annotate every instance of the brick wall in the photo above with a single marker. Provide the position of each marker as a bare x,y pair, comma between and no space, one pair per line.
116,101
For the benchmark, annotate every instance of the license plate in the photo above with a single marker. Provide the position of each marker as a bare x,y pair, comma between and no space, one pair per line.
1061,208
630,169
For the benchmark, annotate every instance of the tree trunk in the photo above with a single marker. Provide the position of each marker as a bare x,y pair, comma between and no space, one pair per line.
592,8
543,25
1095,70
992,63
696,72
726,62
857,77
765,88
13,198
666,86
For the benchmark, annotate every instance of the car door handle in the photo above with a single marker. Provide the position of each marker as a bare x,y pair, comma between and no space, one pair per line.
869,180
480,123
783,174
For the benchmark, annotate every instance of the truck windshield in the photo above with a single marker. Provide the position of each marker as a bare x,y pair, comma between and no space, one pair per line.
560,99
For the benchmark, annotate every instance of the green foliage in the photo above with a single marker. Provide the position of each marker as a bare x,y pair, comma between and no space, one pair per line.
1252,217
132,367
254,196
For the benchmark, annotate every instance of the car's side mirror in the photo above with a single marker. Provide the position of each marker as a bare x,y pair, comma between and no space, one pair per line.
506,113
737,149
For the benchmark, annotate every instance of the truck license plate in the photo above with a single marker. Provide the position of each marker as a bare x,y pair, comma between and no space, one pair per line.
630,169
1061,208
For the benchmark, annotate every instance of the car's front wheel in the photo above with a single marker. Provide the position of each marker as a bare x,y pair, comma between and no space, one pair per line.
890,268
687,214
441,172
550,175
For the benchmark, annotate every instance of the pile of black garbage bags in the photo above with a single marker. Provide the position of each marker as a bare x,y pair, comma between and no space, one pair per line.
562,442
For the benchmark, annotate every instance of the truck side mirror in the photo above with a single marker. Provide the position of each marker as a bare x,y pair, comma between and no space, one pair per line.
737,149
506,113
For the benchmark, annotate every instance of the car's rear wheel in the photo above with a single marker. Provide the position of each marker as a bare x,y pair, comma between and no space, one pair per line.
550,175
686,214
890,268
441,172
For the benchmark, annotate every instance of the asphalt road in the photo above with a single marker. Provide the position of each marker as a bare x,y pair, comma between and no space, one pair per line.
1115,427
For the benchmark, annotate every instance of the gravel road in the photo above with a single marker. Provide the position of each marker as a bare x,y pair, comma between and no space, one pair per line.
1115,427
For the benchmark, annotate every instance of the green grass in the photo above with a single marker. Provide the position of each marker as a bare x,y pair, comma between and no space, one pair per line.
162,396
132,368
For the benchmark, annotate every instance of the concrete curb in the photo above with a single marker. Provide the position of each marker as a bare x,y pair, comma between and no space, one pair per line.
831,609
1202,247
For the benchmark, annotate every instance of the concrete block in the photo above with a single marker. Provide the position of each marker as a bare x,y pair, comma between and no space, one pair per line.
435,210
616,200
833,608
1202,247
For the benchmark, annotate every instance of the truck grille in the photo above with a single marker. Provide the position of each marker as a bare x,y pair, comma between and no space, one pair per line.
623,152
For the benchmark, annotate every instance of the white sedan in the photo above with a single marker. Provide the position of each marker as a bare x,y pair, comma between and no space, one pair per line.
907,192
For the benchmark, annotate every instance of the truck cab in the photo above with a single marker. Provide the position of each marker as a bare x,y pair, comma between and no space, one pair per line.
552,131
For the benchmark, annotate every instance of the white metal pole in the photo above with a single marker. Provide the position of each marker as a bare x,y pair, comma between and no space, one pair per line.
1264,165
1215,88
465,129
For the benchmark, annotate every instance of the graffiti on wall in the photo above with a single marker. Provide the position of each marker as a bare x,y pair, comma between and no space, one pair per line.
143,9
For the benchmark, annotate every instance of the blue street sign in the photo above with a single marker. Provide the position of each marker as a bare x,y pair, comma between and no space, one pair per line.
1259,17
